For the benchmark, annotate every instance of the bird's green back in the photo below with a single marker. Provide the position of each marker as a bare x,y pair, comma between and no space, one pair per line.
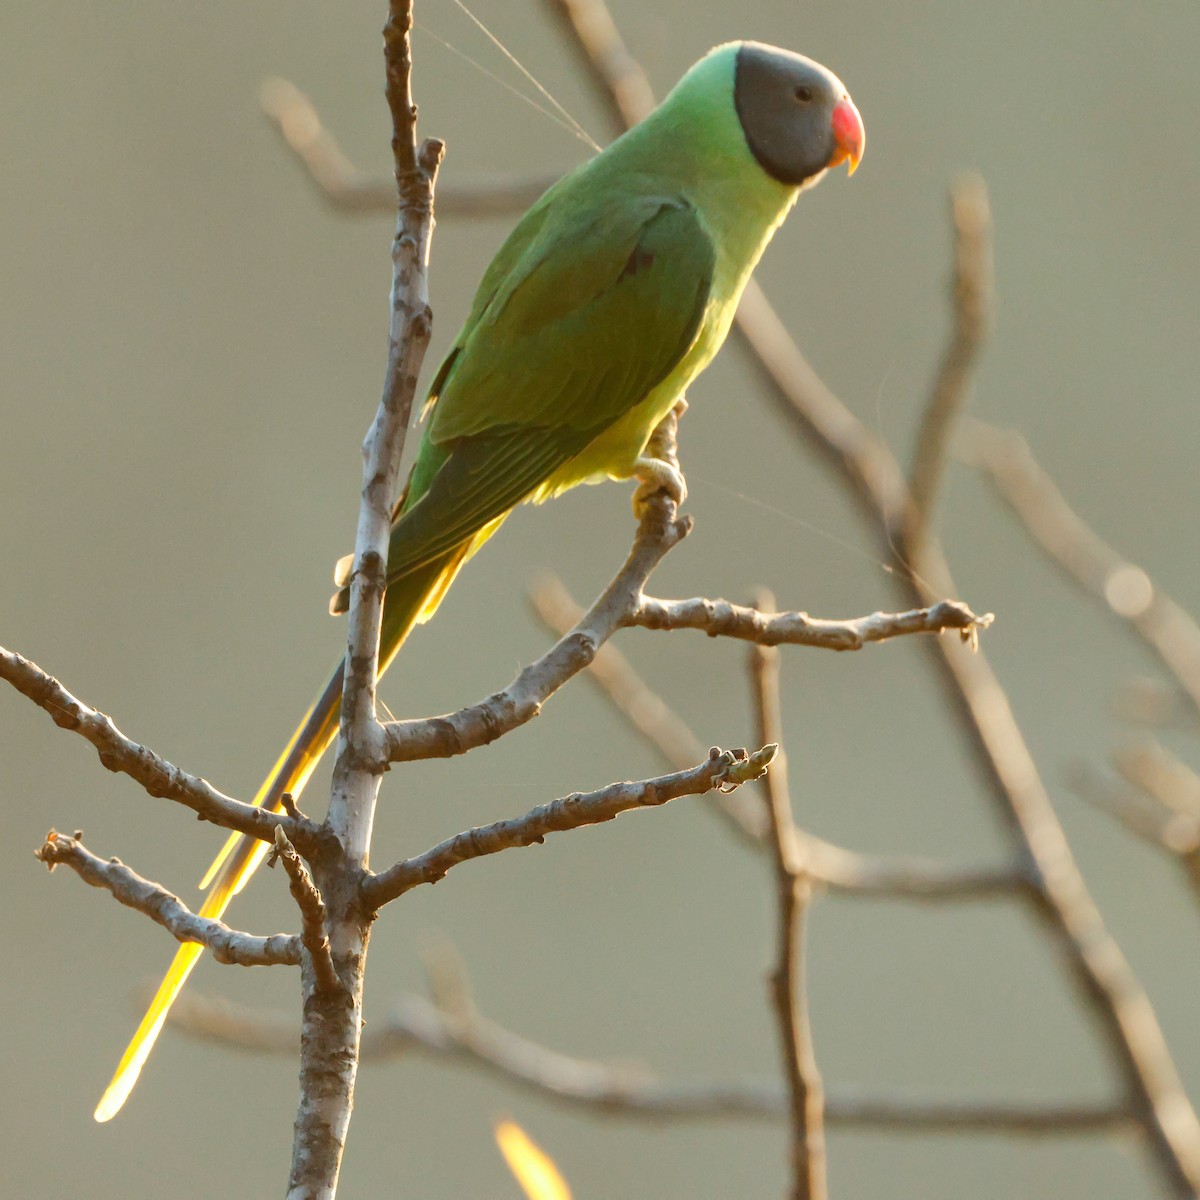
611,294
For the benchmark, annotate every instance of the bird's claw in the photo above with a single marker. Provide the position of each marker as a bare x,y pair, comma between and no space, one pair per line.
654,476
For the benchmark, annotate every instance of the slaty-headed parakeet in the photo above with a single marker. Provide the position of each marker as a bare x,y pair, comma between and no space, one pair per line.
610,296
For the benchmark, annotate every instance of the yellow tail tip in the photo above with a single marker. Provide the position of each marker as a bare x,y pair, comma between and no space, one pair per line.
138,1050
130,1068
531,1166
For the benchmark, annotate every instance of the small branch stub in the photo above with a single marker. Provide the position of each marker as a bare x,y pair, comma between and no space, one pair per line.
312,914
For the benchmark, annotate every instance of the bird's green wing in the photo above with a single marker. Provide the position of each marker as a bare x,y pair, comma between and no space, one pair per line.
591,318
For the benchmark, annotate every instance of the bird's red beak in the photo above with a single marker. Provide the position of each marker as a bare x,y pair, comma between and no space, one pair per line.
849,136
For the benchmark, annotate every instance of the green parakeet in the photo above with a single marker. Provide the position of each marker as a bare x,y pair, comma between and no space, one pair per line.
610,296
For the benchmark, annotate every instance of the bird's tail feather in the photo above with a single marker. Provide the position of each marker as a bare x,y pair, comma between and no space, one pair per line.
409,600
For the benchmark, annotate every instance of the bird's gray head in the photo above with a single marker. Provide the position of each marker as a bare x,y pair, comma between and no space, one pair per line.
797,116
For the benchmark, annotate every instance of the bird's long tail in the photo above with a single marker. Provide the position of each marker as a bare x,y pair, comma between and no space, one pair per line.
409,600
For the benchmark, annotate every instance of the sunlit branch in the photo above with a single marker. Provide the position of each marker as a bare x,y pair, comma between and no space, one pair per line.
165,908
722,769
157,776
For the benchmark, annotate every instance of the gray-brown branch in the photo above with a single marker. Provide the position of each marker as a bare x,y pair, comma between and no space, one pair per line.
831,867
786,982
633,1092
719,618
348,190
722,769
157,776
164,907
479,724
307,896
971,303
332,1024
1124,588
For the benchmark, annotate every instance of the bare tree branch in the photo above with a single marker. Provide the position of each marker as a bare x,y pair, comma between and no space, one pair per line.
971,302
1124,588
156,775
719,618
312,916
1154,703
631,1091
164,907
830,866
850,873
722,769
456,733
346,189
333,1017
1122,1011
793,894
1150,766
1177,833
647,713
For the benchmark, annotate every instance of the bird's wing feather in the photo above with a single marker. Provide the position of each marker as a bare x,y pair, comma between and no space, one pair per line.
584,327
620,289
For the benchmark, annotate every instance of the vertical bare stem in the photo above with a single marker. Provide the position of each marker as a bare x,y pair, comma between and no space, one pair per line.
806,1093
332,1023
971,299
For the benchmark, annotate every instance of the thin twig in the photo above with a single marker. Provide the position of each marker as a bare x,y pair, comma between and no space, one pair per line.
1178,833
157,776
971,302
312,915
1124,588
793,894
479,724
164,907
1149,765
348,190
1105,980
722,769
833,867
647,713
719,618
630,1091
850,873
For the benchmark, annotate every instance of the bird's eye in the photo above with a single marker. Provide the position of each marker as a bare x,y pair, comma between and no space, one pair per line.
804,94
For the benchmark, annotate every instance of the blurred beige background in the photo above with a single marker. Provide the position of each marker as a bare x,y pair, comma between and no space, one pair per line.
192,346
